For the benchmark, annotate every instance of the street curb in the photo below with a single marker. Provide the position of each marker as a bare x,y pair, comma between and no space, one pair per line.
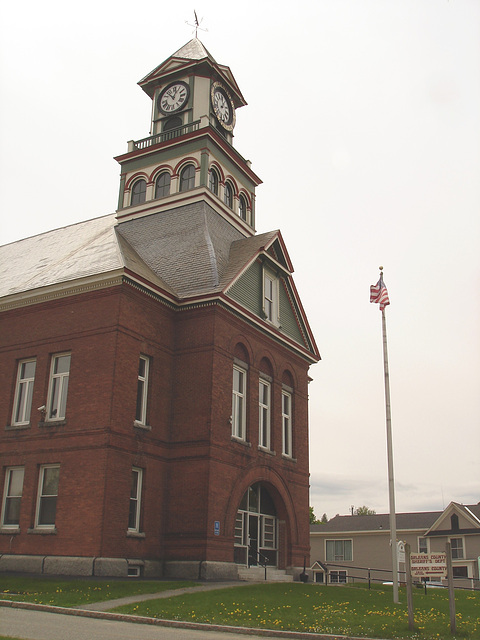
202,626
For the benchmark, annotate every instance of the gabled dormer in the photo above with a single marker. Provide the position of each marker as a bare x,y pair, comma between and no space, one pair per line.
188,156
456,519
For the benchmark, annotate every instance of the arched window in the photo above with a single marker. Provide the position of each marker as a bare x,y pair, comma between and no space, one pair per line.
213,181
187,178
256,530
139,192
242,210
228,197
172,123
162,185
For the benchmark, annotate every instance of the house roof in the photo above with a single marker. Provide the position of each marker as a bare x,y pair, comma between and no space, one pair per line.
186,253
422,520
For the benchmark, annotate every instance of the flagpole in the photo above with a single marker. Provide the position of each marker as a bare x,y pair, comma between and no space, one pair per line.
391,480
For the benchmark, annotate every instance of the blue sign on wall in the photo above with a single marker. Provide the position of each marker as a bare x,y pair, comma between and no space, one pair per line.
216,527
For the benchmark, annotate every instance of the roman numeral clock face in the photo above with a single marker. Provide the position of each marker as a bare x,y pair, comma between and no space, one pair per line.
223,106
173,98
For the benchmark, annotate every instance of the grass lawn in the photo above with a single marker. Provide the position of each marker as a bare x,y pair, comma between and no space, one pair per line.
346,610
73,593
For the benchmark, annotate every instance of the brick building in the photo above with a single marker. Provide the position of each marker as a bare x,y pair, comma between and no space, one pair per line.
154,364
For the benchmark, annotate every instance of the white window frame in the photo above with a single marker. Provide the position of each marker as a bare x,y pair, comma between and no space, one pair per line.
135,500
264,414
41,496
287,431
334,557
270,296
60,379
341,576
426,544
458,548
8,496
22,404
142,391
239,404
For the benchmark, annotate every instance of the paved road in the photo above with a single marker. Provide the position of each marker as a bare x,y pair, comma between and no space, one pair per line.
41,625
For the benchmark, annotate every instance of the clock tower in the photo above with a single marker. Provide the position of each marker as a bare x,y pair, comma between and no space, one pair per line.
189,156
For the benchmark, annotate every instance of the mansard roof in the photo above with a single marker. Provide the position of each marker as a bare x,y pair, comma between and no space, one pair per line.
185,254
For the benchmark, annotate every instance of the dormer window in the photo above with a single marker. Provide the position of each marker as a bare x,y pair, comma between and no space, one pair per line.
228,196
139,192
213,181
187,178
270,296
162,185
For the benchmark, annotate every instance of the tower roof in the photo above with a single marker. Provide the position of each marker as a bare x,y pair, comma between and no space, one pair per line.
193,50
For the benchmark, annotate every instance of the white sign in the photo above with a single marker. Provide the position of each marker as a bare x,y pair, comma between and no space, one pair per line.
400,551
428,564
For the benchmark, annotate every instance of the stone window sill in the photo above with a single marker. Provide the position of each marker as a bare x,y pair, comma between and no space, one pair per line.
43,532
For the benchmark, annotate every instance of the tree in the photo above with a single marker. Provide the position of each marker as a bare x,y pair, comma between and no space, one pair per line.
324,519
364,511
313,517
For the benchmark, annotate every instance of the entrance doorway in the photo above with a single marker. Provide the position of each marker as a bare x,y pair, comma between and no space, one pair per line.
256,529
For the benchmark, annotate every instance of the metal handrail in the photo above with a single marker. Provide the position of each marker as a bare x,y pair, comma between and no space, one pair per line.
144,143
259,555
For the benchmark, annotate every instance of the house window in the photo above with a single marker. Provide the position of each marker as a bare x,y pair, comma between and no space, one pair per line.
460,572
142,390
454,522
338,577
339,550
135,500
287,448
264,413
12,497
213,181
24,392
422,545
139,192
242,210
60,372
187,178
162,185
47,496
270,297
228,195
457,548
239,402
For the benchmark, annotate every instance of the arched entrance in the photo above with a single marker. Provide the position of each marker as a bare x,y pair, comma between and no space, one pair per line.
256,528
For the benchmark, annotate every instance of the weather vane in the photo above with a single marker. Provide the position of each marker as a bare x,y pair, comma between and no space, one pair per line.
197,23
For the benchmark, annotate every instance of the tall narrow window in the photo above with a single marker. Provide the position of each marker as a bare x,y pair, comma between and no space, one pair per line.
12,497
270,297
457,548
242,208
162,185
60,372
139,192
187,178
239,402
142,390
135,500
24,392
264,413
287,424
228,195
213,181
47,496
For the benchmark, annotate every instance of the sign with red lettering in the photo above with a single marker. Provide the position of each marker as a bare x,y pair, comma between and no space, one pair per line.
429,565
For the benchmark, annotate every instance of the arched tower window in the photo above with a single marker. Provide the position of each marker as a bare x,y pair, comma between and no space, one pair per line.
187,178
213,181
139,192
162,185
242,210
172,123
228,197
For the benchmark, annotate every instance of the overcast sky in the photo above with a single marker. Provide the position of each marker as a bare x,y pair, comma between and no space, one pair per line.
363,121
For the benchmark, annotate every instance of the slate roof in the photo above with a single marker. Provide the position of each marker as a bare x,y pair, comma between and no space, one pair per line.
193,50
420,520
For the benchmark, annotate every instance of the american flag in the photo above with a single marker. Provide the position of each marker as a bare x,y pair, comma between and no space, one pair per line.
379,293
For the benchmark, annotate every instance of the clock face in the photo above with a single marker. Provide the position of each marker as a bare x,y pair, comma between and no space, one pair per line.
223,106
173,98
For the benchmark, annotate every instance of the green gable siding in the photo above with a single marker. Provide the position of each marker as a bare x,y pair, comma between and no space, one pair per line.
248,291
